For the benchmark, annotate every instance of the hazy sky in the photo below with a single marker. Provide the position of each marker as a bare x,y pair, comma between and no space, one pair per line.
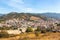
33,6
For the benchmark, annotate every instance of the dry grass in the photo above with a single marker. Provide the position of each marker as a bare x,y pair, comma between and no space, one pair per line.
32,36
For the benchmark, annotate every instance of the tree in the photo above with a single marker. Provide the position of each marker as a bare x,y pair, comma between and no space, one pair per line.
21,30
3,34
58,24
43,29
29,29
37,33
38,29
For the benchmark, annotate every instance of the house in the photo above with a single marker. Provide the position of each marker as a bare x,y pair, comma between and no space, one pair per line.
13,31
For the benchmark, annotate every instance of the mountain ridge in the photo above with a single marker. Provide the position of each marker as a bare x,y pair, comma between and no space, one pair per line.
20,15
52,15
43,16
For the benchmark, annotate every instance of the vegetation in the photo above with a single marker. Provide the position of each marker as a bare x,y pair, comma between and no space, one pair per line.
21,16
38,29
37,33
25,16
8,28
58,24
29,29
3,34
46,36
4,28
21,30
43,30
49,29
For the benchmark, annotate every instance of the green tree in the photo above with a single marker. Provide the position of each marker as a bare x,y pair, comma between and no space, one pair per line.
3,34
37,33
43,29
29,29
21,30
38,29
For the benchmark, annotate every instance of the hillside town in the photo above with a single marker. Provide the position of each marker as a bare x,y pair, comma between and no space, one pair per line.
34,22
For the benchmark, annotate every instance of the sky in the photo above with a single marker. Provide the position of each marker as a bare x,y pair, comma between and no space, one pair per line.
30,6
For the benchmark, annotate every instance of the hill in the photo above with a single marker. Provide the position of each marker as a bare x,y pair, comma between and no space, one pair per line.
1,14
30,16
26,16
52,15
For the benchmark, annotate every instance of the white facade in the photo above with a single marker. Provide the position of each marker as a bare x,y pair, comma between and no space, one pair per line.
13,31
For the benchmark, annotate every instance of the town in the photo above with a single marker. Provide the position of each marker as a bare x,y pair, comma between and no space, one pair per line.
14,25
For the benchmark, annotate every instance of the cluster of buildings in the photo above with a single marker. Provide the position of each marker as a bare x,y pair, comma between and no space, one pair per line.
23,24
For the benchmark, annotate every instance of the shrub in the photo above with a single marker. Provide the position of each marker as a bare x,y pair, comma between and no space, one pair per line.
43,30
37,33
29,29
38,29
3,34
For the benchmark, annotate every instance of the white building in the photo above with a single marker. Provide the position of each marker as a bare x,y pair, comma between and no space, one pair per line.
13,31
